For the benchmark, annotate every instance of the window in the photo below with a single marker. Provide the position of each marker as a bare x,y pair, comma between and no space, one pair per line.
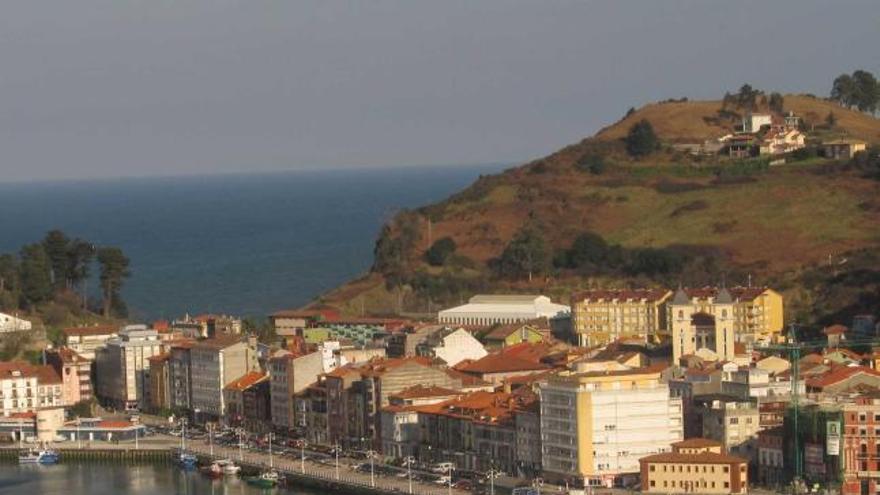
652,483
734,421
726,484
726,470
652,468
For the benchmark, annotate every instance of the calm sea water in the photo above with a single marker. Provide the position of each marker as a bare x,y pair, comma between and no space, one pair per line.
121,479
246,244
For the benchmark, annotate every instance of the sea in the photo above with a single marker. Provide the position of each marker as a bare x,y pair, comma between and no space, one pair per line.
122,479
245,244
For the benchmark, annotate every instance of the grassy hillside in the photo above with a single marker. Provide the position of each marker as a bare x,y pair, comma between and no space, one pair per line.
730,219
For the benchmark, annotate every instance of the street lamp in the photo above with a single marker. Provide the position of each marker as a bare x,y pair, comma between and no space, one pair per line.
211,439
302,454
240,432
409,461
450,469
78,435
336,452
492,475
271,437
372,454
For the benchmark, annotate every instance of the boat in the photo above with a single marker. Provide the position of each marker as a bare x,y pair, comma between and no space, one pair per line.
187,461
221,467
38,457
267,479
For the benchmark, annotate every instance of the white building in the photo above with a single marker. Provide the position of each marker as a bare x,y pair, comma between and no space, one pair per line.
27,388
122,367
754,121
597,425
452,346
86,341
494,309
215,363
9,323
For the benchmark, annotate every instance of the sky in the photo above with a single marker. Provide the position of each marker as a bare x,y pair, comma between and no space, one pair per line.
109,88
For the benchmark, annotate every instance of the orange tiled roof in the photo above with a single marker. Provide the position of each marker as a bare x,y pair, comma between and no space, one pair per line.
701,458
247,380
501,363
89,331
839,374
697,443
649,295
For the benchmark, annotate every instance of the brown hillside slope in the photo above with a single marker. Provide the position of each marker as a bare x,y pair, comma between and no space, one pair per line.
771,223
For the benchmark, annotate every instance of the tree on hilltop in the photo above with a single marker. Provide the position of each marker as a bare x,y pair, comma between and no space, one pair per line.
525,255
114,270
776,102
641,139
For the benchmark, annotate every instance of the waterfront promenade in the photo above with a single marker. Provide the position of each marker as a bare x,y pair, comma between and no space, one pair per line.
325,474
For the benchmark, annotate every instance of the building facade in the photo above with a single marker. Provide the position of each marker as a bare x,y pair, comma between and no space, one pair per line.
214,363
495,309
596,426
602,316
122,367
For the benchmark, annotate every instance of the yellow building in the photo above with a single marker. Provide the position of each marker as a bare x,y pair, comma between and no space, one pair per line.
597,425
757,311
696,465
602,316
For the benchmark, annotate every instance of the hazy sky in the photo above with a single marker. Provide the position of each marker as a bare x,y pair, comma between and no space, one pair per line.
160,87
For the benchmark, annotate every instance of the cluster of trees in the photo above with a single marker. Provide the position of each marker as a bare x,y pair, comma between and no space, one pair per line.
857,90
58,264
528,254
749,99
440,252
591,254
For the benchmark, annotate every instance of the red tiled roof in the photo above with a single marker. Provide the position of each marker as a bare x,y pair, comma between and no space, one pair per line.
701,458
115,424
220,341
839,374
89,331
247,380
501,363
158,358
692,443
69,356
737,293
47,375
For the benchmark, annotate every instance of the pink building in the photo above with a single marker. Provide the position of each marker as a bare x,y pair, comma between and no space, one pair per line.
75,372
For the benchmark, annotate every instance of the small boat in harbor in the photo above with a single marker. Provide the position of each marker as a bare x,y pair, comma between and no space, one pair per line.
187,461
221,467
267,479
39,457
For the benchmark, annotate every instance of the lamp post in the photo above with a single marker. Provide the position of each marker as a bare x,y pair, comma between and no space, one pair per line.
372,454
136,444
302,454
271,437
492,475
409,461
240,432
336,452
449,471
211,439
79,441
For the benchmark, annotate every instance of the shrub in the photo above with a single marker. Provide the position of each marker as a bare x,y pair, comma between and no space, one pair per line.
439,252
641,139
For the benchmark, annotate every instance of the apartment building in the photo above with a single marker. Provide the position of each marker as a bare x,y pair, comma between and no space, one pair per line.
26,388
602,316
243,405
160,382
214,363
85,341
596,426
695,465
289,374
180,374
733,421
122,367
75,372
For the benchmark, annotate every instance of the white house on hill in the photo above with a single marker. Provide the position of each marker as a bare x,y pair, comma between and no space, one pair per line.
9,323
